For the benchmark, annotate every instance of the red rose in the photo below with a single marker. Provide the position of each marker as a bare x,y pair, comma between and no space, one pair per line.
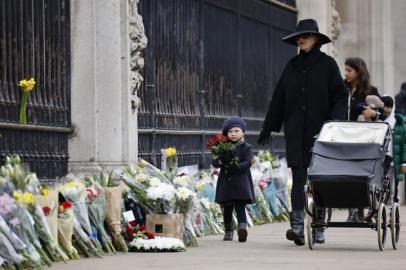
46,210
150,235
133,223
66,204
220,138
129,230
128,238
210,143
142,228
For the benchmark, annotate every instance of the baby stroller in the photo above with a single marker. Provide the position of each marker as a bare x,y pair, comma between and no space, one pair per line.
347,171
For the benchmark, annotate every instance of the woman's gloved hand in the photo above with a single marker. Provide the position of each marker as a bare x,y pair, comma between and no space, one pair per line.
264,137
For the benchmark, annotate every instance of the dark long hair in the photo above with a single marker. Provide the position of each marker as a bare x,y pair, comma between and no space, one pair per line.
363,82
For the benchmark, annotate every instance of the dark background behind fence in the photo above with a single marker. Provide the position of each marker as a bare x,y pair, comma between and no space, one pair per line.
35,42
207,60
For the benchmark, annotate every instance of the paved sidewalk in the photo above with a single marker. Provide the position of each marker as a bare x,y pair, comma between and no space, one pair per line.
266,248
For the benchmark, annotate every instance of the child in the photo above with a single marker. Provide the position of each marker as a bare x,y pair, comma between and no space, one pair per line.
371,101
234,185
397,149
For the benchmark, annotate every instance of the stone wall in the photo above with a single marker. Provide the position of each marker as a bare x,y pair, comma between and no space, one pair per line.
106,60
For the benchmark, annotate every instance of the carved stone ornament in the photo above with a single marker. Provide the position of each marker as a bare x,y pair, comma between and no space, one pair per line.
138,42
335,26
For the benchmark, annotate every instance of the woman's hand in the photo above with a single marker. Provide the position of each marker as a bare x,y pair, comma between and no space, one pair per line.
369,113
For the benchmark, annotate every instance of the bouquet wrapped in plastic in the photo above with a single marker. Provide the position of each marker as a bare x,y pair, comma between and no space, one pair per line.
211,218
65,230
48,200
262,207
75,192
169,162
112,208
96,204
150,170
184,202
161,196
27,232
8,253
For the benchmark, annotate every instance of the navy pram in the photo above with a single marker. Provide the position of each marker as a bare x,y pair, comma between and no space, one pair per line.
347,170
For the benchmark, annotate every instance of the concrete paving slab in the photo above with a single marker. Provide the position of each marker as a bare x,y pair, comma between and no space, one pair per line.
267,248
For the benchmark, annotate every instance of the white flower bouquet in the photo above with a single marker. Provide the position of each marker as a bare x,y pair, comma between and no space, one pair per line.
159,244
161,197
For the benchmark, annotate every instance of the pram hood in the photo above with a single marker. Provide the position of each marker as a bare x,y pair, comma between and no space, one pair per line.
345,159
354,132
349,149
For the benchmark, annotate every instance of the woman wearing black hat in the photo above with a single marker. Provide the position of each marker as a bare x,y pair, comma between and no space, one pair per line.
309,92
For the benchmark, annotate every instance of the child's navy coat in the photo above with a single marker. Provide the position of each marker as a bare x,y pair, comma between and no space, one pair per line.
238,186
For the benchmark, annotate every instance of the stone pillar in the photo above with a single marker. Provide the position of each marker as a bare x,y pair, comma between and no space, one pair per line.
398,19
103,99
367,33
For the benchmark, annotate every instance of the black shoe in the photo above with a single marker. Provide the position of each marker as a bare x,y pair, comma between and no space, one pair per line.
297,236
228,235
242,232
296,233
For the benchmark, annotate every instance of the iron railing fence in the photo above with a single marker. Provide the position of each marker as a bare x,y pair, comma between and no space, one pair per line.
35,42
207,60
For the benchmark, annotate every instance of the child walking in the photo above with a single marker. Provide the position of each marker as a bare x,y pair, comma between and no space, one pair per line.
234,185
397,148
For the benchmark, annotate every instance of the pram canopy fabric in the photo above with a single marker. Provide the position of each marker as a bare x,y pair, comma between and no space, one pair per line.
354,132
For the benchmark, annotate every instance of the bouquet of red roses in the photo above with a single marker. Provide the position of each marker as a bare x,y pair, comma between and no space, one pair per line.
219,144
221,147
133,230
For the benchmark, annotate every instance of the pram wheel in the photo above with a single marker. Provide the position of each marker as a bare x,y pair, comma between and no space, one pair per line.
381,226
309,222
395,225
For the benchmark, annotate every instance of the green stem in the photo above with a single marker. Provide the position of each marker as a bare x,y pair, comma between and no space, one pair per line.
23,108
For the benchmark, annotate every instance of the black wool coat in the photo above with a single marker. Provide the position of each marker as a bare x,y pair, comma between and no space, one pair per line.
309,92
238,186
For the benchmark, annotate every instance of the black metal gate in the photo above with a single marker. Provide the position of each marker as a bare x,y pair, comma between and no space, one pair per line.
35,42
207,60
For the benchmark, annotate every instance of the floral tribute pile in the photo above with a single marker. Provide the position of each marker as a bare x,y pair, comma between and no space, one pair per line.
90,216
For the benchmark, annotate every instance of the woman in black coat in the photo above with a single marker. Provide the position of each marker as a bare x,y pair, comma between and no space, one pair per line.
309,92
234,186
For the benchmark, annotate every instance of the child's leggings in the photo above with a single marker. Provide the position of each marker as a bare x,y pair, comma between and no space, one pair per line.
228,214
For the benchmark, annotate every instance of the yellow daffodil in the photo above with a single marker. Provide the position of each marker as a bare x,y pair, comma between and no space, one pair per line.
200,185
170,152
142,163
44,191
28,198
27,85
18,197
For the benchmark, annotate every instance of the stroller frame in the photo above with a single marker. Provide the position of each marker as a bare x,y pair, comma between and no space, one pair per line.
323,184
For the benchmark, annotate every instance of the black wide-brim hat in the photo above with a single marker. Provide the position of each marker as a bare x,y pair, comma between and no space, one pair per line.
304,27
